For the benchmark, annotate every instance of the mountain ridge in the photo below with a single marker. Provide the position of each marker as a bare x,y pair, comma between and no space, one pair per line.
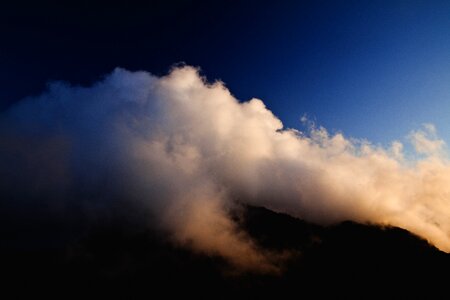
346,260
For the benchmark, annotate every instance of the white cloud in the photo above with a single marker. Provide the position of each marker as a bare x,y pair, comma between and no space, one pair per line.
186,150
426,141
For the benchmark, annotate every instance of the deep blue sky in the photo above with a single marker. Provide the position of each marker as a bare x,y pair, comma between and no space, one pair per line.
372,69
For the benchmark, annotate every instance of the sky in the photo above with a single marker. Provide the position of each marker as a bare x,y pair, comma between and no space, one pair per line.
373,70
175,114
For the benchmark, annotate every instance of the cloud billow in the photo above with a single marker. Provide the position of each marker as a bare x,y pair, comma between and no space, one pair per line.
187,152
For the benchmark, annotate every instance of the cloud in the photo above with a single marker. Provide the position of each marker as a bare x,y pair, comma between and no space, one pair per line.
426,141
186,152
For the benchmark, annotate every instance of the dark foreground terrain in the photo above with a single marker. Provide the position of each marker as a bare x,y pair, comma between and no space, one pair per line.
347,260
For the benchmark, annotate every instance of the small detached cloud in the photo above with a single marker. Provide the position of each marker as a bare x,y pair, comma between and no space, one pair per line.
426,141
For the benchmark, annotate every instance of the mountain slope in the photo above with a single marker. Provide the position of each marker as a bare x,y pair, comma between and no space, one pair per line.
347,260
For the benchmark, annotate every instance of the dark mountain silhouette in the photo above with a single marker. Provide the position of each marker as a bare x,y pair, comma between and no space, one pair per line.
347,260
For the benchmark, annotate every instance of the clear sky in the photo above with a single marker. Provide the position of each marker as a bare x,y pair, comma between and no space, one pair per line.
371,69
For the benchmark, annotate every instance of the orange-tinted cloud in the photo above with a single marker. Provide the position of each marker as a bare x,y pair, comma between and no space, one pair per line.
185,150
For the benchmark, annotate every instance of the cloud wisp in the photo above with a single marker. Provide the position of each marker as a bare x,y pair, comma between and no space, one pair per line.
186,152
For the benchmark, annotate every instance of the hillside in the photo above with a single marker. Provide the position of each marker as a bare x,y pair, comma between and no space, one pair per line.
347,260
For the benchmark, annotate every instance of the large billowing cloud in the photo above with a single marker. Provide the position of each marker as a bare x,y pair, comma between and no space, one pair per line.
185,152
